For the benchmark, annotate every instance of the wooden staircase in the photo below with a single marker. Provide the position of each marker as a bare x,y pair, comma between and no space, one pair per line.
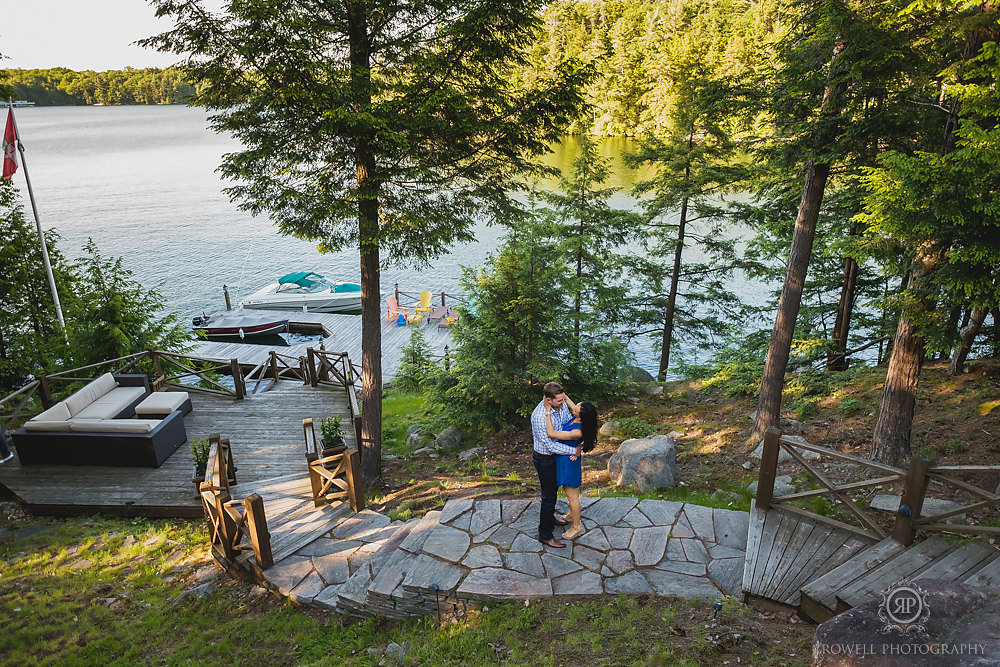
866,574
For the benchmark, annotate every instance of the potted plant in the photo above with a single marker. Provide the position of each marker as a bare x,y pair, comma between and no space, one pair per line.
199,449
332,435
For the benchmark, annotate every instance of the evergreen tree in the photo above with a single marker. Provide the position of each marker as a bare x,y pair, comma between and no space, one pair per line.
385,125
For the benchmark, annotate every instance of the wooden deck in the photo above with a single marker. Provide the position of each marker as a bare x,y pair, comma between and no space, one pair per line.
265,431
342,334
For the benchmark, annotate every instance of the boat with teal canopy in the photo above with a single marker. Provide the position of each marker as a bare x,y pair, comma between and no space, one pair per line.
307,291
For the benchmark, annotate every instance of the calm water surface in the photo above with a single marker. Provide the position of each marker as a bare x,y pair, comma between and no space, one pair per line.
141,182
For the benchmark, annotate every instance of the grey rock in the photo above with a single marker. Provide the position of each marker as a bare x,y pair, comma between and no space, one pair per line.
782,485
396,651
414,428
723,551
454,508
619,561
528,563
619,538
447,543
490,583
482,556
648,545
654,390
637,374
701,521
528,521
682,527
608,428
682,567
390,457
418,530
470,454
327,598
694,551
731,528
727,573
463,522
289,573
423,451
594,539
511,510
424,572
485,514
504,537
583,582
479,538
608,511
631,583
682,585
557,566
783,454
525,543
587,557
449,439
417,437
931,506
660,512
644,463
333,569
359,525
308,589
637,519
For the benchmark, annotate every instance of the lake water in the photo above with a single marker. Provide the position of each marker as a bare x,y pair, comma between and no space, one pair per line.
141,182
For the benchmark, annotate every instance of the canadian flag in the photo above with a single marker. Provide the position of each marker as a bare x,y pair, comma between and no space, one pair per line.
9,146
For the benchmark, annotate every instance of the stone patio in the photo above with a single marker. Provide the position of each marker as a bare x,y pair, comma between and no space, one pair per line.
485,550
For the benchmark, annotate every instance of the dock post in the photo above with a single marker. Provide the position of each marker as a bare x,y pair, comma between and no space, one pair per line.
442,299
912,501
395,289
768,469
225,293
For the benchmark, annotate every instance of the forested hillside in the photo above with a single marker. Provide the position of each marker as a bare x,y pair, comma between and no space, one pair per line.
61,86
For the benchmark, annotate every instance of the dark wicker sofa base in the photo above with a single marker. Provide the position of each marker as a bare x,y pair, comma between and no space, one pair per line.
142,450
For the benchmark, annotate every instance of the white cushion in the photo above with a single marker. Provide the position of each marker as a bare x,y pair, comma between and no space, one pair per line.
93,391
57,412
47,425
161,402
115,426
110,404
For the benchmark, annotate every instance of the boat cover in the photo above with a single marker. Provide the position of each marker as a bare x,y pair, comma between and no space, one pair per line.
302,278
346,287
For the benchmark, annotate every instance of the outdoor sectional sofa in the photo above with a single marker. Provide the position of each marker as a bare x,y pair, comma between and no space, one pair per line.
94,427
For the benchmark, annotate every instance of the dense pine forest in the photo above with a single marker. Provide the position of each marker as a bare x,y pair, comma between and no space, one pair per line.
61,86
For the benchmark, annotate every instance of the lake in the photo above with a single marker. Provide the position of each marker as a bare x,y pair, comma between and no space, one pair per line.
141,181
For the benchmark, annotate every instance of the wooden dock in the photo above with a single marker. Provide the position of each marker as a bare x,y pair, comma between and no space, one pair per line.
341,333
265,432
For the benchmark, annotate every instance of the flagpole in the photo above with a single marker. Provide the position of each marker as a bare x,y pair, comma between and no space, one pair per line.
38,224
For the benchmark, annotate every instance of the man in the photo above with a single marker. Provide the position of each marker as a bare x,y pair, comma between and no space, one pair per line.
544,456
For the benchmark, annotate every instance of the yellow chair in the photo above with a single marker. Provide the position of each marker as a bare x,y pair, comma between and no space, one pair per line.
425,307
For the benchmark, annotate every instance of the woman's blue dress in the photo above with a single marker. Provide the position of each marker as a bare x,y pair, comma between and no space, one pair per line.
569,473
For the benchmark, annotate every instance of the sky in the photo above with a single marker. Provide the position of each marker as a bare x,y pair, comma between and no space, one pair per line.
79,34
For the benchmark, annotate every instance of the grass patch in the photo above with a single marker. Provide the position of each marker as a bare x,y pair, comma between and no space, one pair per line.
399,410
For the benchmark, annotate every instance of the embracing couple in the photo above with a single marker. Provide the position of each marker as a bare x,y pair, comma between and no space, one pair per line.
562,430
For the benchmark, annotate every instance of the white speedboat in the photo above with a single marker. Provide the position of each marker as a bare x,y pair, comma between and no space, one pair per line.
306,291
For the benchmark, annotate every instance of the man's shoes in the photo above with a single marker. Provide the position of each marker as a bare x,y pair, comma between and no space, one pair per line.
552,542
559,521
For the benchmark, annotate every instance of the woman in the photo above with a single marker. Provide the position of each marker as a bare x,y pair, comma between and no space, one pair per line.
582,432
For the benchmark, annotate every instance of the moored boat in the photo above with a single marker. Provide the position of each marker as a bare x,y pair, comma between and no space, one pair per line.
307,291
238,325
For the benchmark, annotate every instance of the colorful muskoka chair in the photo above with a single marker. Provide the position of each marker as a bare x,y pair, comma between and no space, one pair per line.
394,309
425,307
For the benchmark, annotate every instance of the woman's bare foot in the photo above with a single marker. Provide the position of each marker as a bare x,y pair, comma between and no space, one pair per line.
573,533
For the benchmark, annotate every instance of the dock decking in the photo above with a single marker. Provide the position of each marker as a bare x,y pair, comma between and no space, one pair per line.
343,335
265,431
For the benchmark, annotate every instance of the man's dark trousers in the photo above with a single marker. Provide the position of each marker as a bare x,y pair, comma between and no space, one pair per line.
545,466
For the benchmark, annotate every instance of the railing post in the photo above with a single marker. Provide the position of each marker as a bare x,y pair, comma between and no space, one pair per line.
238,384
274,364
44,392
315,480
158,380
355,487
313,375
304,370
768,469
912,501
260,537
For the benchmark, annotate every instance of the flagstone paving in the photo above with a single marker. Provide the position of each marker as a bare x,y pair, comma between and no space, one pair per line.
485,550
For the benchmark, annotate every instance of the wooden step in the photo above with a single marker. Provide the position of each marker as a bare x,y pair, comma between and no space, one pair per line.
822,553
961,563
988,575
902,567
819,596
306,528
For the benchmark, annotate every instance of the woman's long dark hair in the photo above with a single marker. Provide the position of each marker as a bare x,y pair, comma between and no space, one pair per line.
588,426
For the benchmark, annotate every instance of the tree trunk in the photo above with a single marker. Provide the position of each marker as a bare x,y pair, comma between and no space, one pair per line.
891,438
370,447
837,360
668,314
966,336
772,382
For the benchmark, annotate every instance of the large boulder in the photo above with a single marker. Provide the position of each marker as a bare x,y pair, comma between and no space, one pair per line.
644,463
449,439
952,624
417,437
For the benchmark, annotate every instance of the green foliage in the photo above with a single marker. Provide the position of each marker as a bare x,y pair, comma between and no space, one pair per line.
330,429
400,409
633,427
955,446
200,449
415,362
61,86
113,315
850,406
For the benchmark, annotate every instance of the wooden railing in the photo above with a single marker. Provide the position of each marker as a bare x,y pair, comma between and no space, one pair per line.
411,298
229,522
914,483
334,473
182,366
336,369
